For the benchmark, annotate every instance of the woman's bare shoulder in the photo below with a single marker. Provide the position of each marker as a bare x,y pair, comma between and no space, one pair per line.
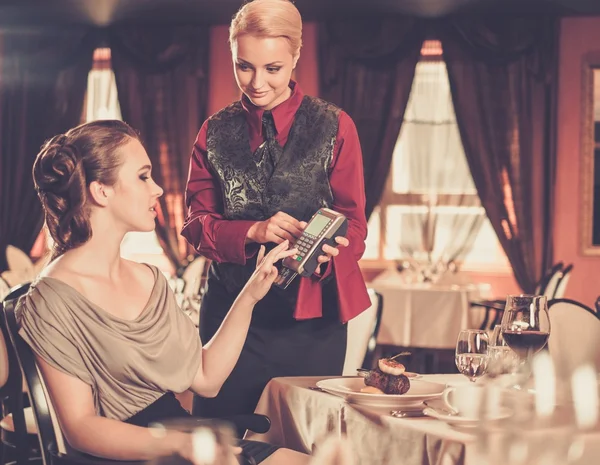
143,272
61,269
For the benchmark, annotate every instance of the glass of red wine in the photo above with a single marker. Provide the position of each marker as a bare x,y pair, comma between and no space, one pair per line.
526,326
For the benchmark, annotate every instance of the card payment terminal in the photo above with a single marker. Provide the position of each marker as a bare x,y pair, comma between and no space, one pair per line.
323,228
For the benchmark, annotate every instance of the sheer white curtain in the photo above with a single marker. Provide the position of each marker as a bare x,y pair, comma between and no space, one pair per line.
442,216
102,100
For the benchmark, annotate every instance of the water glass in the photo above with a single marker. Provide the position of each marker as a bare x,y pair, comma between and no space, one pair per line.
502,360
471,355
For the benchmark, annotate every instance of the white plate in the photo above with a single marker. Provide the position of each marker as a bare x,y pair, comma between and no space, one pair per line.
349,388
409,374
457,420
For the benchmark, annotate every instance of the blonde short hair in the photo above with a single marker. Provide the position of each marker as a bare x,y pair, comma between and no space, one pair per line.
269,18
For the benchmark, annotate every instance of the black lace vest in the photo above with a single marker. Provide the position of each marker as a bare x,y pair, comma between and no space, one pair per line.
299,184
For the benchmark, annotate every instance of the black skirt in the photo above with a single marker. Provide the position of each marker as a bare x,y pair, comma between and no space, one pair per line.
277,345
168,407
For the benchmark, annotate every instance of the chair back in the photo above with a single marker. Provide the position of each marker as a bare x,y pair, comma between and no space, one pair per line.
21,269
362,336
561,286
574,335
55,450
4,289
548,283
11,380
49,432
543,282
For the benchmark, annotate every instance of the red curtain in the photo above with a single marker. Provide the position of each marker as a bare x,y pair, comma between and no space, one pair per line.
43,78
502,75
367,67
162,82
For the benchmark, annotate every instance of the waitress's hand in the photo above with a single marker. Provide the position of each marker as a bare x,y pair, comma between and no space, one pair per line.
278,228
331,251
265,273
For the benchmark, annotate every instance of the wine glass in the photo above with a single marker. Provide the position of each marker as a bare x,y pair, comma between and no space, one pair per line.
471,356
502,359
526,326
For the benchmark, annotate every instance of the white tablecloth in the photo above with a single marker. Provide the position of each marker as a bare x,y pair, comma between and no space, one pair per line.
302,418
426,315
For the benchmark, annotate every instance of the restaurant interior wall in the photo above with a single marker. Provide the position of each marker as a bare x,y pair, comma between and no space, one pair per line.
578,36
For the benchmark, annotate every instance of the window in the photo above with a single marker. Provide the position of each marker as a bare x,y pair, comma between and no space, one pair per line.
430,209
102,102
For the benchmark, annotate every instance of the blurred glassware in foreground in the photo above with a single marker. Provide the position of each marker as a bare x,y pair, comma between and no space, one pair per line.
334,450
550,421
211,442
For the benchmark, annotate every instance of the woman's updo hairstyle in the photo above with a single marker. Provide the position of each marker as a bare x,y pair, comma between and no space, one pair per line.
64,169
269,18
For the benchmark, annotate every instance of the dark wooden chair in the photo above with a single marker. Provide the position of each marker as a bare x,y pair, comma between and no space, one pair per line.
18,428
494,309
561,285
369,359
362,336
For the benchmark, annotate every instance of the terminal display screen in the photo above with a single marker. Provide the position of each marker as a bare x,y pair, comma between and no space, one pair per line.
317,225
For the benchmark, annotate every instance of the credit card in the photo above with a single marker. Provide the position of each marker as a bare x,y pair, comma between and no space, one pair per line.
286,276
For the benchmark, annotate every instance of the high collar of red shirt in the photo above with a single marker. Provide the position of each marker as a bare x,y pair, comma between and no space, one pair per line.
282,113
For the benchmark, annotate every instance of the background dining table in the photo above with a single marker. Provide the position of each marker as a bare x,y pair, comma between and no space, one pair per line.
426,314
302,418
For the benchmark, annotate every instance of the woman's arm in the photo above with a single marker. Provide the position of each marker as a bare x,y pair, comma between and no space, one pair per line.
99,436
221,353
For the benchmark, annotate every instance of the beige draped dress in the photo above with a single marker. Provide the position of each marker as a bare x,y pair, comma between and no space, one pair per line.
128,363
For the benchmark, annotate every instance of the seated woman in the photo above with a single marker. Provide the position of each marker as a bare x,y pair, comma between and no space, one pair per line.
109,338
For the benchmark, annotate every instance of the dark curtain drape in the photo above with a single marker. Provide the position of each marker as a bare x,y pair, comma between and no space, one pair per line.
367,67
43,77
502,74
162,81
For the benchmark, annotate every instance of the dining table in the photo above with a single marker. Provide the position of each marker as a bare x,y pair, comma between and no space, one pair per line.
303,416
426,314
